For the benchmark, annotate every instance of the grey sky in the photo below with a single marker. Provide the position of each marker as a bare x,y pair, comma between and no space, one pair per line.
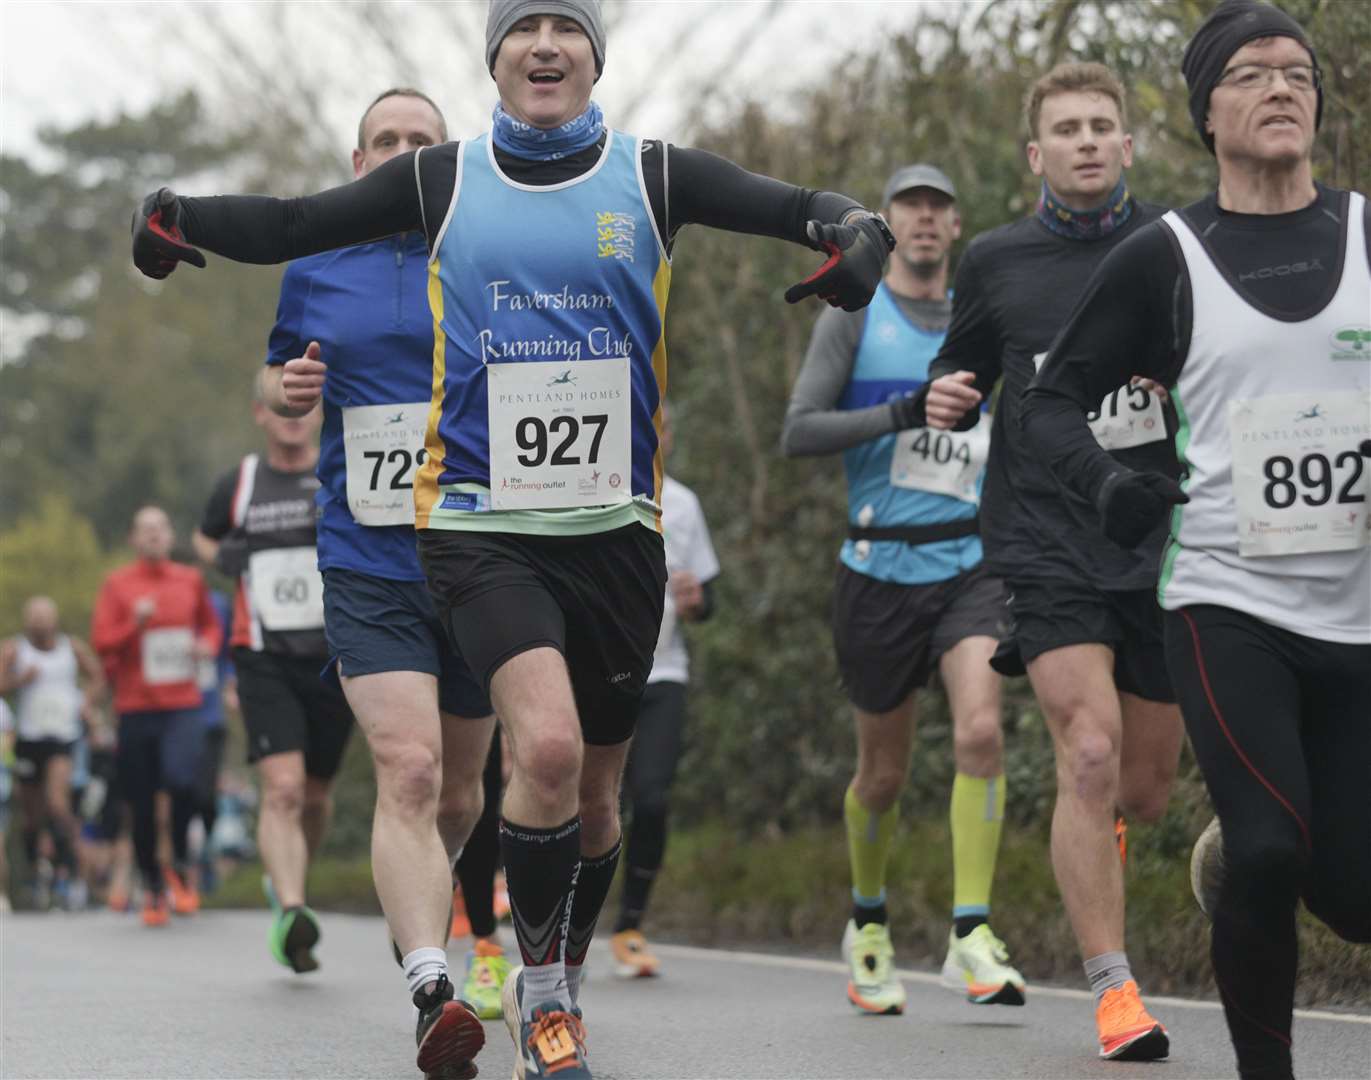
64,62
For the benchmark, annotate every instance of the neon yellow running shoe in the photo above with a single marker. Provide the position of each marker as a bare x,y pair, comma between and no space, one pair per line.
978,965
870,958
487,970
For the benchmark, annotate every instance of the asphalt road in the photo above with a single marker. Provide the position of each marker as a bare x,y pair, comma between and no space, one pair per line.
97,995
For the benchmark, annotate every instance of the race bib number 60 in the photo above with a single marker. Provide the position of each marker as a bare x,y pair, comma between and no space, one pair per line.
1299,480
560,434
287,590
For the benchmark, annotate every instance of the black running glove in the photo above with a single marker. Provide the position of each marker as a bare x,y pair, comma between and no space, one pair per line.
158,244
857,253
1132,504
907,410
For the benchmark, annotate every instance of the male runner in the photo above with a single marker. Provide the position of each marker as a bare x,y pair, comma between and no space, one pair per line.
258,527
44,669
1252,306
911,594
153,622
1087,624
691,567
353,328
538,504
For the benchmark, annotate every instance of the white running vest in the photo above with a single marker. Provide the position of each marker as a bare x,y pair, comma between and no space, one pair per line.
1272,413
50,706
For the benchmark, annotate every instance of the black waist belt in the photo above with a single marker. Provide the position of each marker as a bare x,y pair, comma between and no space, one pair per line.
917,534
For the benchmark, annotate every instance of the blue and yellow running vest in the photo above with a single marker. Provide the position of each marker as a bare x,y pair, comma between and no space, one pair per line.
892,360
571,272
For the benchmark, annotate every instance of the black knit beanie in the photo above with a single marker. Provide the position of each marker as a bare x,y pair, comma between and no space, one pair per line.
1229,27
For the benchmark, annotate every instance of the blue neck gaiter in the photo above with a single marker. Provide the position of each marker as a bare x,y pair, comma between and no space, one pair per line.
1086,224
546,144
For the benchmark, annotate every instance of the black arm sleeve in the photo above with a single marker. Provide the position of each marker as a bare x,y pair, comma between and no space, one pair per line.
973,337
217,520
1131,320
705,189
260,229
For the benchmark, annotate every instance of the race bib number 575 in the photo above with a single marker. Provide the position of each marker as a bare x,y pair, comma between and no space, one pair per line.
560,434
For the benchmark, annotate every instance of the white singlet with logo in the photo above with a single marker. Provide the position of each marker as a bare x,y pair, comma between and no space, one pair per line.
383,446
287,588
1273,412
689,548
1130,416
49,707
168,655
941,462
560,434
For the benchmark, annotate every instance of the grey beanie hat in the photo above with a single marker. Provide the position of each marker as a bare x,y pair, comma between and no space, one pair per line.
504,14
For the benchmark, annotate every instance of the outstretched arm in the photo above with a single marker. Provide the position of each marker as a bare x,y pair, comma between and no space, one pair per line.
705,189
261,229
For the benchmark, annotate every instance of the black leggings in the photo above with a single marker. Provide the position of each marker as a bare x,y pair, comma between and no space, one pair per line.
481,853
1281,727
159,751
652,761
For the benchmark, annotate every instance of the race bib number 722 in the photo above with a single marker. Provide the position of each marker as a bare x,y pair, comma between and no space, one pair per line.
384,448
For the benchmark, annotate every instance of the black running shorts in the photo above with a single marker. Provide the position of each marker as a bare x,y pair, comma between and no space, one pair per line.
1051,615
596,599
890,637
31,757
287,706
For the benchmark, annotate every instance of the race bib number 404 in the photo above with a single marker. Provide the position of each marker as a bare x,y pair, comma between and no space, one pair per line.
1130,416
383,447
560,434
941,462
287,591
1300,482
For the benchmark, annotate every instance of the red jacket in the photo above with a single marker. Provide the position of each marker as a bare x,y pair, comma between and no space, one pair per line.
152,667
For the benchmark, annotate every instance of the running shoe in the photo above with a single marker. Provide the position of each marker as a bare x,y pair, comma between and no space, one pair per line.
156,909
461,925
632,958
501,896
1127,1032
552,1044
870,956
293,935
185,900
449,1035
978,966
487,970
1206,867
1121,839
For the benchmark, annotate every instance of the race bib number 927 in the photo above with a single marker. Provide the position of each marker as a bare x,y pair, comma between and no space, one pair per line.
560,434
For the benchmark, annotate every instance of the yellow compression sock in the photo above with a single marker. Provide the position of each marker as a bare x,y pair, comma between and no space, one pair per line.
868,845
977,815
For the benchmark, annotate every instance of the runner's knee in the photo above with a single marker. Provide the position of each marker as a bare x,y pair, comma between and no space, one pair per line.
284,797
1090,762
978,745
409,777
459,808
550,759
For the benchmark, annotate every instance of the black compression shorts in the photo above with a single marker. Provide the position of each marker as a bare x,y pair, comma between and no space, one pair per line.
596,599
287,707
1053,614
890,637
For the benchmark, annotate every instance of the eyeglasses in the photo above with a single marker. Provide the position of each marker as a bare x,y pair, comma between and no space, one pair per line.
1303,77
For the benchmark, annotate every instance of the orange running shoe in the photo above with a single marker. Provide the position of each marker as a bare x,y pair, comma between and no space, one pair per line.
501,896
461,925
118,899
156,910
185,899
1127,1032
1121,838
632,958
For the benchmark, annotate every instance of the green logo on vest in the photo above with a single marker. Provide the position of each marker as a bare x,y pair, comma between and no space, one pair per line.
1351,343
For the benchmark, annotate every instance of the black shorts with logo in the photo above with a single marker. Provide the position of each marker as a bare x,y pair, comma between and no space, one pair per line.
1052,614
889,637
596,599
288,706
31,757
